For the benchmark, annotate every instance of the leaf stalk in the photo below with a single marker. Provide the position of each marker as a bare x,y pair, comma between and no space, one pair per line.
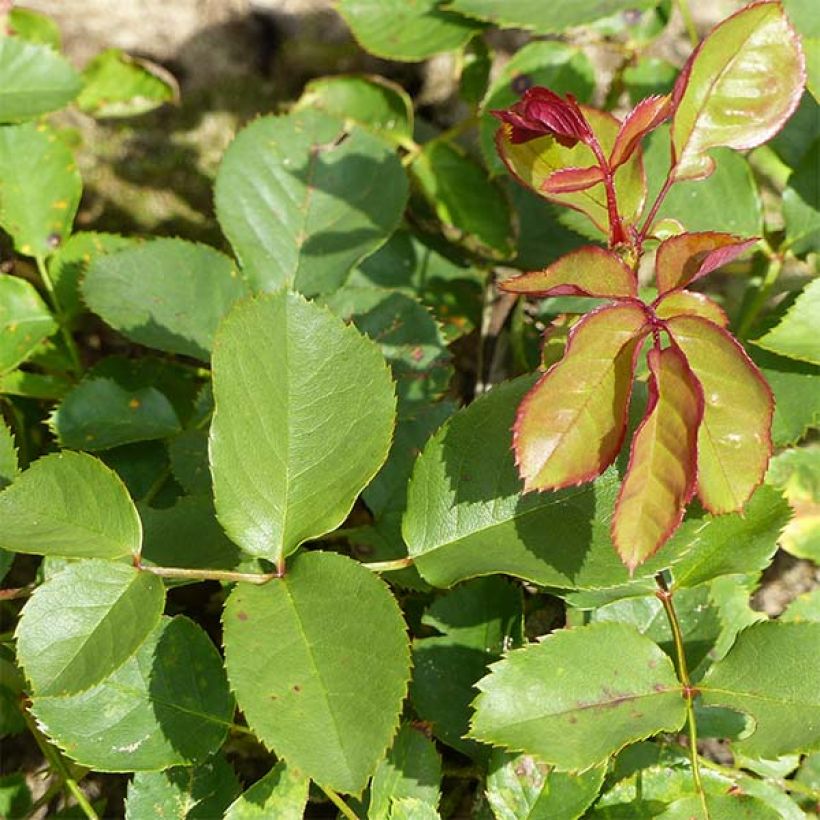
48,284
337,801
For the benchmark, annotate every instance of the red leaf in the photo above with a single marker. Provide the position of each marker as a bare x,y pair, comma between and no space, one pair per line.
647,115
571,425
569,180
682,259
690,303
588,271
540,112
734,441
660,479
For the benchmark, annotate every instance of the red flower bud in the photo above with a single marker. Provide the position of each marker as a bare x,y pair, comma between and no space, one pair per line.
541,112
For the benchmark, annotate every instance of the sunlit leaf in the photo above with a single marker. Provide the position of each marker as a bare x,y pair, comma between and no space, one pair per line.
685,258
568,180
25,321
796,334
614,687
660,479
690,303
647,115
734,441
738,89
281,793
571,425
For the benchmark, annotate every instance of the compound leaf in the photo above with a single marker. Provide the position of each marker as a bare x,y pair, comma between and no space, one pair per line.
588,271
167,293
738,88
571,425
302,199
786,705
69,505
572,701
734,440
660,478
34,80
84,623
325,696
168,705
303,420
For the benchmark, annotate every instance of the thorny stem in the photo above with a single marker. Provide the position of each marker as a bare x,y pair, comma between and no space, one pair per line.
339,803
55,760
48,284
689,692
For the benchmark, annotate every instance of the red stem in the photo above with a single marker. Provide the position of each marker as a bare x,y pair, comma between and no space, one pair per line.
670,181
617,234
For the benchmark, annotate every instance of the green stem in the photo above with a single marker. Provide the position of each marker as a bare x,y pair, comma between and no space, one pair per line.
55,760
757,302
48,284
206,574
338,802
689,692
688,21
389,566
158,484
668,183
53,790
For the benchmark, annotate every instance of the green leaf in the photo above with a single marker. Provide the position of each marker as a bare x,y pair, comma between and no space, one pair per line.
397,30
69,505
796,334
118,85
713,549
99,414
727,201
15,796
69,263
571,425
476,64
560,67
412,768
690,303
302,199
200,793
25,321
785,706
473,210
40,187
738,88
572,701
734,440
804,18
188,453
167,293
466,515
34,80
721,807
797,401
295,441
368,100
8,456
477,621
411,808
648,76
169,705
660,478
34,27
805,607
544,18
519,786
84,623
326,696
801,205
281,793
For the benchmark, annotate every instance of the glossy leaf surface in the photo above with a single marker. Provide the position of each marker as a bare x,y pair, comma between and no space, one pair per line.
796,334
734,440
40,188
293,443
600,701
34,80
588,271
327,696
739,87
571,425
167,293
785,706
281,793
647,115
660,478
685,258
302,199
25,321
690,303
169,705
69,505
84,623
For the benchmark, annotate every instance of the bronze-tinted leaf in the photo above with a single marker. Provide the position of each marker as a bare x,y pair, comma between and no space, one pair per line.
690,303
647,115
